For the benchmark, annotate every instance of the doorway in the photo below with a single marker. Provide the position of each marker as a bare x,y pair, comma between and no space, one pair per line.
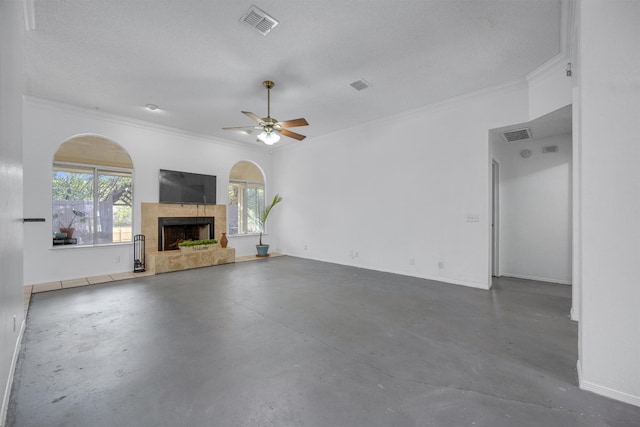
531,199
495,218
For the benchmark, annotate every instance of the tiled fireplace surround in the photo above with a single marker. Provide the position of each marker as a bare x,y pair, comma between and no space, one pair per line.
164,261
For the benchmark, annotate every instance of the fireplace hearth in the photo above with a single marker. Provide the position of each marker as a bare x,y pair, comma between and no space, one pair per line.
173,230
155,216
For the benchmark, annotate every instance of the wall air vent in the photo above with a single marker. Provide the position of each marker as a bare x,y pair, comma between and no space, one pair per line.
361,84
517,135
550,149
259,20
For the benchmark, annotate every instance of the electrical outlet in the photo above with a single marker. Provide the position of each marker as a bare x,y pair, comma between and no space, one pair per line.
356,254
117,259
412,261
473,217
305,247
441,264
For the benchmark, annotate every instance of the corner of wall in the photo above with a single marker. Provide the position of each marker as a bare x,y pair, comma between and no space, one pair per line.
14,361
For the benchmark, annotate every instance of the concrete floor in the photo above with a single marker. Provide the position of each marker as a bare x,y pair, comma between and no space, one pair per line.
293,342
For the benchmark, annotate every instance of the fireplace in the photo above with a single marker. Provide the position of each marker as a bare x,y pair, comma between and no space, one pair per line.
173,230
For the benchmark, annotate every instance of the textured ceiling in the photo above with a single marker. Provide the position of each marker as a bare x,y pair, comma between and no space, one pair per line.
201,65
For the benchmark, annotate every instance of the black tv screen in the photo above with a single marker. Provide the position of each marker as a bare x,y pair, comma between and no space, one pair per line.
186,187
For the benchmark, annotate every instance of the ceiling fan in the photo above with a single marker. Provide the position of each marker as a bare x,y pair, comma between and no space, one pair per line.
271,128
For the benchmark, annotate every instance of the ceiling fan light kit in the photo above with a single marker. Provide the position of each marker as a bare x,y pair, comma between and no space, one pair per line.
270,128
269,138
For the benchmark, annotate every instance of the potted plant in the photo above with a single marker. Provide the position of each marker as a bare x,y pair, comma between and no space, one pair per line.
67,228
189,246
263,249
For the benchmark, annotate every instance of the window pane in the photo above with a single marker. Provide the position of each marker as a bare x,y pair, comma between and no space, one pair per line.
233,208
114,213
246,201
255,204
73,203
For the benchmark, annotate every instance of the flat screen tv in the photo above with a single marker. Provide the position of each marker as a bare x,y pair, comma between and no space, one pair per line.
186,187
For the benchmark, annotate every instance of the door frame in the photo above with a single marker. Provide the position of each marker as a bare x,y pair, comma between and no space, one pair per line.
495,218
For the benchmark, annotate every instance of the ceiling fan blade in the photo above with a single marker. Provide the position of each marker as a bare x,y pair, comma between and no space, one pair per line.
292,134
252,117
242,128
293,123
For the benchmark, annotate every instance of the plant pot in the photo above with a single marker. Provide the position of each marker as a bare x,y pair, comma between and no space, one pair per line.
263,250
68,230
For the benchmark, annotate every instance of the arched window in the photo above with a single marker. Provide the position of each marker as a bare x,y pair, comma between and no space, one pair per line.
92,193
246,198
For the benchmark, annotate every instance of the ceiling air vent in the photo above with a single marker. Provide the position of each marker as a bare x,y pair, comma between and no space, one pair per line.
517,135
259,20
550,149
361,84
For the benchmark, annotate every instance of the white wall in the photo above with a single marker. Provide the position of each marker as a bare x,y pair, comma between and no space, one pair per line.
397,192
47,125
535,210
549,88
610,203
11,290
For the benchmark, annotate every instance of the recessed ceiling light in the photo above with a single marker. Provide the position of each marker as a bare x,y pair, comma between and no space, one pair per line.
152,107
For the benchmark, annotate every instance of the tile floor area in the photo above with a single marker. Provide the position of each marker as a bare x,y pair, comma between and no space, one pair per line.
96,280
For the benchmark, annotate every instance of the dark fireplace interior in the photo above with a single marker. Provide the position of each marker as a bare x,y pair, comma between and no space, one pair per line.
173,230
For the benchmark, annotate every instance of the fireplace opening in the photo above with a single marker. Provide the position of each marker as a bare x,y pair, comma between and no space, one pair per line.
173,230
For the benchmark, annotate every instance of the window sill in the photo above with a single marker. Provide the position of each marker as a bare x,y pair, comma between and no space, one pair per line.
247,235
99,245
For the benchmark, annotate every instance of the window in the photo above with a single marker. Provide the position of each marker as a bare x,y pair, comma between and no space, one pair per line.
95,202
246,198
92,203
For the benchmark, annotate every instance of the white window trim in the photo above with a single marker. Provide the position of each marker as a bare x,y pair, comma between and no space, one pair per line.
244,208
96,168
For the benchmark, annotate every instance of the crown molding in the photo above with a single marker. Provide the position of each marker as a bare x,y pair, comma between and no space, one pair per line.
128,121
550,67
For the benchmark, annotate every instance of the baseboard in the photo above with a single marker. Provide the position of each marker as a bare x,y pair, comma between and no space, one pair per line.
459,282
12,368
579,371
539,279
400,273
610,393
574,314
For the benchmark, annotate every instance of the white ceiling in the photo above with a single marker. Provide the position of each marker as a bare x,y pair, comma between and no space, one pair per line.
558,122
201,65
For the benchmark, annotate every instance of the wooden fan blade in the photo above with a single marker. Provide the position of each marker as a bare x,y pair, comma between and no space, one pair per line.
252,117
292,134
293,123
242,128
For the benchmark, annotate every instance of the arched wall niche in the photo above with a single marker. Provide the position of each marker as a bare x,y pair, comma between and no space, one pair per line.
93,150
245,170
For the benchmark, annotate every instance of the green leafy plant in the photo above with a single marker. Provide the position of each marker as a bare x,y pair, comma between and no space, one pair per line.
262,218
197,242
76,215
